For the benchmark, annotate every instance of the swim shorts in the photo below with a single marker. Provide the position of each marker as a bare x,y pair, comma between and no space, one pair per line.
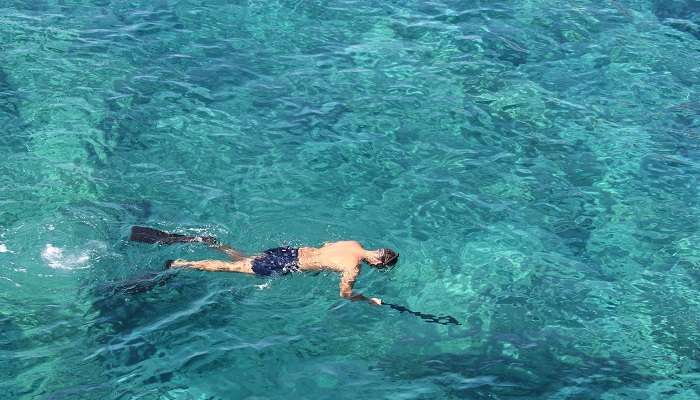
280,260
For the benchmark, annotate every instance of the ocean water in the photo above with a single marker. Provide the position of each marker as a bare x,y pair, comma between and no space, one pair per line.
536,163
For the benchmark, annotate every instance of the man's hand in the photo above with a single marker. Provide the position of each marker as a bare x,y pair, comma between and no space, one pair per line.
375,301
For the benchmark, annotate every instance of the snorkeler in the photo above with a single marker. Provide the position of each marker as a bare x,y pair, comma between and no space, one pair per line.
343,257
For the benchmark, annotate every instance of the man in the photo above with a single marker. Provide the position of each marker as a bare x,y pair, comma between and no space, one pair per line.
343,257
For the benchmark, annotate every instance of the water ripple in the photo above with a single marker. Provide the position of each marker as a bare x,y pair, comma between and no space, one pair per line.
536,163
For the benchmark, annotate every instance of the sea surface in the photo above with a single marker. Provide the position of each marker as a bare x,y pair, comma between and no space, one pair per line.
535,162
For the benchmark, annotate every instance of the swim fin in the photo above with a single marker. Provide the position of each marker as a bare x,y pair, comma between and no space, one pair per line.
144,283
149,235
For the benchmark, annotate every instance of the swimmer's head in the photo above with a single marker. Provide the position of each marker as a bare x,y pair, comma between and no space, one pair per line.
382,258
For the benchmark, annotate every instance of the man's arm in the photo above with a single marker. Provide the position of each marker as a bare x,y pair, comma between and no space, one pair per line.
347,281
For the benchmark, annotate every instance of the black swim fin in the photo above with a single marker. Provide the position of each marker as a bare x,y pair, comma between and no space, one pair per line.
144,283
149,235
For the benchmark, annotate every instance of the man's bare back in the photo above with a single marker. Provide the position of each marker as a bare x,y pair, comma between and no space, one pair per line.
344,257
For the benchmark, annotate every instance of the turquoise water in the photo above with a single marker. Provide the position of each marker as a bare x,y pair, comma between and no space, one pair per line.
535,162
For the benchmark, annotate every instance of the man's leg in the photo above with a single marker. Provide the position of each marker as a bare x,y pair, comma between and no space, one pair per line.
245,265
154,236
228,250
224,248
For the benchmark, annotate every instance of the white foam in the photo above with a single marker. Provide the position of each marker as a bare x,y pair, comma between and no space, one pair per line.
56,259
3,248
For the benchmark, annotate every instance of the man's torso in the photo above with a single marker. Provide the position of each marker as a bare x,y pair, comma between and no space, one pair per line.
337,256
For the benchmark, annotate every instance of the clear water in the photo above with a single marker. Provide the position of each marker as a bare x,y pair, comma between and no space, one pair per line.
535,162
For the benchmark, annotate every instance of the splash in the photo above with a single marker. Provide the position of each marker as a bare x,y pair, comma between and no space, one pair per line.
57,258
3,248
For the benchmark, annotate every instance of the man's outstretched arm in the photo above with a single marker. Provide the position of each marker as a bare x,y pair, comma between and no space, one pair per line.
347,281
